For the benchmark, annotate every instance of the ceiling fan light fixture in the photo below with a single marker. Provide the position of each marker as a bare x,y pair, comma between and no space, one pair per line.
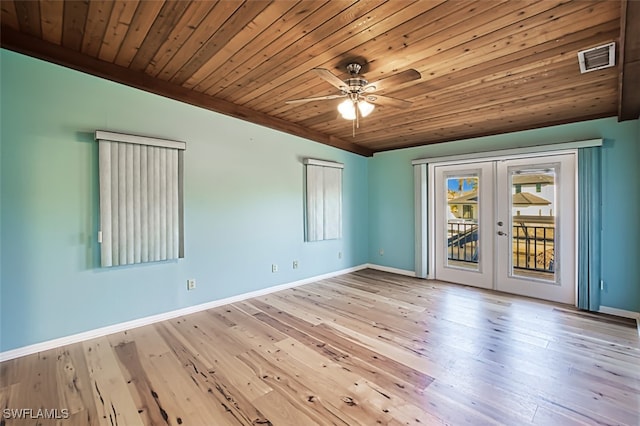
365,108
347,109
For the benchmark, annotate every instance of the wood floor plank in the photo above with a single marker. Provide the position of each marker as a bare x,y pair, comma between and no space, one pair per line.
500,407
205,330
351,356
254,333
383,401
113,401
367,298
181,398
363,348
217,360
217,386
303,392
548,417
291,308
73,385
287,413
140,386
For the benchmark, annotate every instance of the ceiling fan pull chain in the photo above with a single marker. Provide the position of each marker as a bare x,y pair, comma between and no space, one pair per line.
353,127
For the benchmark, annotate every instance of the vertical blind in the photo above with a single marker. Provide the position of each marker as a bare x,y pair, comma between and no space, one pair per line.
589,227
323,200
420,187
141,200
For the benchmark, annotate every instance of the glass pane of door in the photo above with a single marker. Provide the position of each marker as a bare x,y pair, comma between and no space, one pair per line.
462,225
533,223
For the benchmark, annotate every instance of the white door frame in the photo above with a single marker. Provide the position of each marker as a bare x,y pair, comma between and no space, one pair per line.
475,158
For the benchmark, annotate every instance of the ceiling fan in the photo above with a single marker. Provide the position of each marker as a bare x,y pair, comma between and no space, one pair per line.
360,100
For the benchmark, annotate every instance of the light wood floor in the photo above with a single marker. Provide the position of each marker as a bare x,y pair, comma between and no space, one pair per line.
365,348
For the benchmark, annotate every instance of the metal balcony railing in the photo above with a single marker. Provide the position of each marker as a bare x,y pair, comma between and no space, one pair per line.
462,241
532,245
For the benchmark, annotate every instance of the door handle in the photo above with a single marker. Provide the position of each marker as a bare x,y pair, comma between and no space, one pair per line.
502,233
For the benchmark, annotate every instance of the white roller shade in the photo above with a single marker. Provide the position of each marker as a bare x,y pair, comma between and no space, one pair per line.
323,201
140,199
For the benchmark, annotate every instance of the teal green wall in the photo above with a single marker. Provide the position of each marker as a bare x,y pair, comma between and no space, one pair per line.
243,205
621,215
391,204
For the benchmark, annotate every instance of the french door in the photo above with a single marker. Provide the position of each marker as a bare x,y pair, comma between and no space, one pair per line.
508,225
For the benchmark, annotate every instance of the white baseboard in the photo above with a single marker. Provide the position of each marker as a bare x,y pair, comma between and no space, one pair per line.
392,270
619,312
116,328
622,313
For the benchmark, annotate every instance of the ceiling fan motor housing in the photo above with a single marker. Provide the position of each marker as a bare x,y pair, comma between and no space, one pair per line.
355,84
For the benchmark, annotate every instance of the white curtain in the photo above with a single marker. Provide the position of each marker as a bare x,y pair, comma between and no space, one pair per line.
140,199
323,200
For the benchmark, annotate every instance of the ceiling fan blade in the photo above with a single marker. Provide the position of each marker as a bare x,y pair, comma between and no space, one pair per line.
388,101
319,98
330,78
393,80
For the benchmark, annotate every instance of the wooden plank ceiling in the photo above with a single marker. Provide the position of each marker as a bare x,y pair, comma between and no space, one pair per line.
487,67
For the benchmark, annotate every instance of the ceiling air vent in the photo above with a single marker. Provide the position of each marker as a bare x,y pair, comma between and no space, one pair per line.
597,58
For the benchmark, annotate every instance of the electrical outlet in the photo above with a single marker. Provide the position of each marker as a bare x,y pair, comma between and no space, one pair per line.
339,255
601,284
274,268
381,252
191,284
295,264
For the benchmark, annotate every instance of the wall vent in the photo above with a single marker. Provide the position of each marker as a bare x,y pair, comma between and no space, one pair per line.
597,58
